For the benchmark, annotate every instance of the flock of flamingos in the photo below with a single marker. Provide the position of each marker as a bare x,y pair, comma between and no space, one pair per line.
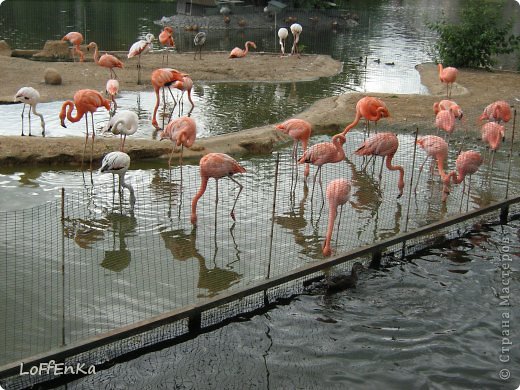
182,131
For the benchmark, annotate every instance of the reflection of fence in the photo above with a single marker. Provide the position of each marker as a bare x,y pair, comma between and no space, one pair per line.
102,280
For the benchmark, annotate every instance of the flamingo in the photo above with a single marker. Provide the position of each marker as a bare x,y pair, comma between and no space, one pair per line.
492,134
283,33
216,165
498,111
447,75
448,105
199,41
296,30
370,108
76,39
163,77
85,100
30,96
467,164
112,89
124,123
338,193
445,120
437,149
142,46
182,132
186,84
106,60
299,130
384,144
117,163
166,39
324,153
239,53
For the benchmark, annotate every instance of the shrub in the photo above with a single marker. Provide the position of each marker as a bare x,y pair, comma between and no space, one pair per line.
477,38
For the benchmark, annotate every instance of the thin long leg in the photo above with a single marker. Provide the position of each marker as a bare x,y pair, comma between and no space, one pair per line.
23,110
314,183
93,135
236,199
216,202
139,69
469,191
30,123
86,140
420,171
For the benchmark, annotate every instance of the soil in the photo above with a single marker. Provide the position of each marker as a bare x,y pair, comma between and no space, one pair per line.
474,91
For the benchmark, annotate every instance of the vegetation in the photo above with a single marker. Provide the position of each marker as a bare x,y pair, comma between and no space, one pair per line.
477,38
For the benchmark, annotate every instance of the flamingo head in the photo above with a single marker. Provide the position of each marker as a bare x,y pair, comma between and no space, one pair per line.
150,37
169,29
383,112
339,138
92,45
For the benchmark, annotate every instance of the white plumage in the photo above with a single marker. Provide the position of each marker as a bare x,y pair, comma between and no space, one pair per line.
123,123
30,96
117,163
296,30
283,33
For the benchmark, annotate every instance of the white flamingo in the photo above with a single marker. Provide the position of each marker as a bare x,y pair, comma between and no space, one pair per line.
283,33
199,41
30,96
296,30
117,163
142,46
124,123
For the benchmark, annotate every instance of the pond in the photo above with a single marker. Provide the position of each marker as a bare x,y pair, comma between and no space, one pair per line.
128,264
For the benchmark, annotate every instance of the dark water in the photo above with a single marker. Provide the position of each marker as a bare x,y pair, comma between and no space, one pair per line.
433,321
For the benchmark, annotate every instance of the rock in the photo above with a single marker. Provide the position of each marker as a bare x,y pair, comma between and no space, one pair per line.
5,50
52,76
53,51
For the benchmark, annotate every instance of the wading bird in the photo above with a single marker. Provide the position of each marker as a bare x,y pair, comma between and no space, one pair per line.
106,60
163,77
436,149
296,30
499,111
239,53
76,39
199,41
370,108
448,105
467,164
85,101
385,145
112,89
186,84
166,39
445,120
298,130
30,96
324,153
123,123
117,163
182,132
142,46
216,165
448,76
338,193
283,33
492,134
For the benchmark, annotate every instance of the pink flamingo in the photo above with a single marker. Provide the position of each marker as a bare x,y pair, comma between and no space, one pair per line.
239,53
166,39
85,100
370,108
384,144
140,47
216,165
445,120
112,89
182,132
106,60
437,149
499,111
338,193
447,75
185,84
299,130
492,134
324,153
163,77
467,164
448,105
76,39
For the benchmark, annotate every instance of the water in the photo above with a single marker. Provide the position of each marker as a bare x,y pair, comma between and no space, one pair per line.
125,265
434,321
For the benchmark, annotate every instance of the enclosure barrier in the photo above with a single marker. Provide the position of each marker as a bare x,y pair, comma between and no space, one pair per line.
188,320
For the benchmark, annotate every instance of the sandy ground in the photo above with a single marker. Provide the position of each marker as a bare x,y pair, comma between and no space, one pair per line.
474,90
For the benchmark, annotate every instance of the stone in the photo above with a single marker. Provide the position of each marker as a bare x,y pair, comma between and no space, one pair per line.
53,51
52,76
5,49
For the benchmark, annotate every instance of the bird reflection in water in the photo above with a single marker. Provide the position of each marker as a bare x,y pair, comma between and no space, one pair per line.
165,189
213,280
119,257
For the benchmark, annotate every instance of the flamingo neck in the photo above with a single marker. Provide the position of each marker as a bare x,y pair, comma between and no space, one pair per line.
333,212
198,195
68,106
353,124
40,115
400,183
96,55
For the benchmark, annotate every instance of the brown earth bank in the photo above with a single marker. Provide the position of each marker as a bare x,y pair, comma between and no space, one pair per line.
474,90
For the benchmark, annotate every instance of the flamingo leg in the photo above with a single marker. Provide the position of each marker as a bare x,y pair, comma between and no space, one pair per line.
420,171
314,183
339,222
30,135
139,69
240,186
93,135
23,110
86,140
180,161
469,191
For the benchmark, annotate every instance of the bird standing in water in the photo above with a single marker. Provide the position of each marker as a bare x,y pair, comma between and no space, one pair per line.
117,163
217,166
30,96
163,77
112,89
370,108
298,130
338,193
182,132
